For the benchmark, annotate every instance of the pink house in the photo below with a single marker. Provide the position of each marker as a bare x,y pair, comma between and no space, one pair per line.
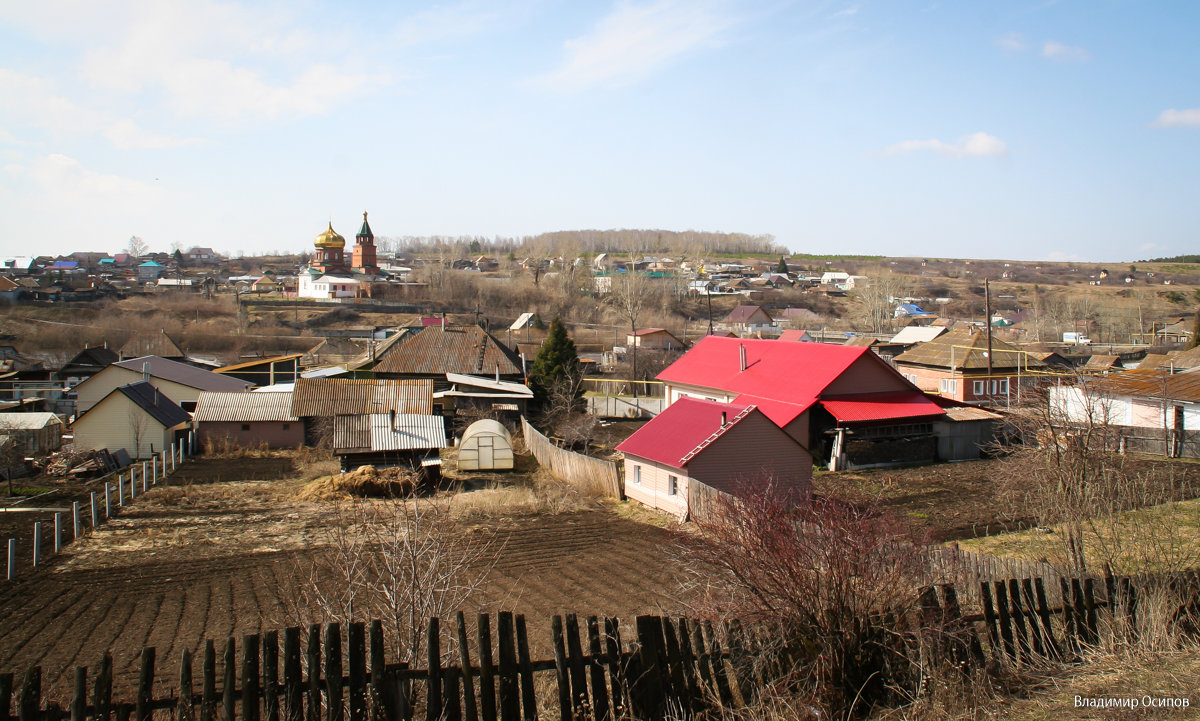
717,444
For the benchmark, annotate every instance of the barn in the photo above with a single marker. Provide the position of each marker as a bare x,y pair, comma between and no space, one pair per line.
486,446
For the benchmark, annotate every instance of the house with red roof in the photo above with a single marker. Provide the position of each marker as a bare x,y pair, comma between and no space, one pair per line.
746,319
845,405
720,445
797,336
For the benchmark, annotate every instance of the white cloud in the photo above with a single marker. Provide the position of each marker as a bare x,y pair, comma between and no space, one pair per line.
34,102
443,22
635,40
1057,51
846,12
1012,42
67,178
975,145
1188,118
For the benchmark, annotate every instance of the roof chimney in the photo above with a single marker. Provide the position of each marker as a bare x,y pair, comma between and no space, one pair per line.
443,322
146,371
742,356
724,419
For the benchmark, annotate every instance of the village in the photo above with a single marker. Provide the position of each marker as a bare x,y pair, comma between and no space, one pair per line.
184,407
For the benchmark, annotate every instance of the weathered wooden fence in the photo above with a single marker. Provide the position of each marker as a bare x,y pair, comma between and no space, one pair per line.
120,489
570,466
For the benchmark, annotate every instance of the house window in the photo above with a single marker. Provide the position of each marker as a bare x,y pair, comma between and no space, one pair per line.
977,387
245,426
287,426
999,387
672,486
637,475
948,386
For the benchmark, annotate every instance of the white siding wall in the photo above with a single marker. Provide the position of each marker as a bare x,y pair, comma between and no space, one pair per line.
113,425
654,488
112,377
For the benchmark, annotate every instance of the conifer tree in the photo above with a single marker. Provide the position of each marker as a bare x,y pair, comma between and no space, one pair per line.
782,268
555,360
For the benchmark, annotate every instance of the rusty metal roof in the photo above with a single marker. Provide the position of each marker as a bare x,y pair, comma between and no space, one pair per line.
383,432
1151,383
143,344
455,349
342,397
964,349
244,407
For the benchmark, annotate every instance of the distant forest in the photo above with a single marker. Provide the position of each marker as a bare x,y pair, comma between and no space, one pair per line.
592,242
1174,259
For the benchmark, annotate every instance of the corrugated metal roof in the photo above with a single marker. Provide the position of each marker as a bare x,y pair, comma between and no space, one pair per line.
963,349
27,421
1151,383
881,406
437,351
259,362
351,396
378,432
244,407
155,344
683,430
490,384
184,374
917,334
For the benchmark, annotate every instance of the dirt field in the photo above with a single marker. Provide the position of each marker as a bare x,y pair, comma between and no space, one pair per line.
219,559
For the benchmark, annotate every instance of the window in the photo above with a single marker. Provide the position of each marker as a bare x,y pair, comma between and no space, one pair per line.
948,386
672,486
977,387
637,475
1000,386
245,426
287,426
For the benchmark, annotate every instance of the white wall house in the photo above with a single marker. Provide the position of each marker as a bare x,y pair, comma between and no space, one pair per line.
327,286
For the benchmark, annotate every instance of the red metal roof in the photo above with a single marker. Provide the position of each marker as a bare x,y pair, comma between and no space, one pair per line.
881,406
683,429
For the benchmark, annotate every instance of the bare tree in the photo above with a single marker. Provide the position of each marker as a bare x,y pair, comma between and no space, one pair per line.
628,300
136,247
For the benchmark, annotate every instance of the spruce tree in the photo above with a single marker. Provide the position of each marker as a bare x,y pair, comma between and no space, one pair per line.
782,268
555,359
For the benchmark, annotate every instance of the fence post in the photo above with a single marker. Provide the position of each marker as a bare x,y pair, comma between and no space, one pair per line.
133,484
76,521
12,558
58,533
95,510
153,473
37,542
108,500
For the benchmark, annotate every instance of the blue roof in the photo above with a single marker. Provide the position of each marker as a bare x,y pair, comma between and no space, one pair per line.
150,264
65,264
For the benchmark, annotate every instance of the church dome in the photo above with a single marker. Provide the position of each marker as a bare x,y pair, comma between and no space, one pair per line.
330,239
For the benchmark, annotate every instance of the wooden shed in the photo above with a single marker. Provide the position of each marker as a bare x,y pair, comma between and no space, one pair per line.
486,446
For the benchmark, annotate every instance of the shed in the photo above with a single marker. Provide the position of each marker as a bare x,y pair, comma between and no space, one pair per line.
486,446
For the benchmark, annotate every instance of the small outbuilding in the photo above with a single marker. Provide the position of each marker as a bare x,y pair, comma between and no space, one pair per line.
486,446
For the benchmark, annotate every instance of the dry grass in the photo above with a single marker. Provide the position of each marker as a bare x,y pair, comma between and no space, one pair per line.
363,482
1157,538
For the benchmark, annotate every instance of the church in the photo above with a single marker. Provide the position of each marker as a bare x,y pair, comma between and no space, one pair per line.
328,276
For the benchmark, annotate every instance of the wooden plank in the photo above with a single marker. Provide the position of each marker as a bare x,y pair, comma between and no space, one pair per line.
251,655
576,666
1080,615
487,672
356,652
334,710
29,701
741,662
187,703
270,676
208,684
6,692
1130,601
563,674
703,665
600,707
145,690
402,683
433,695
510,707
688,659
470,712
451,710
678,692
1070,634
313,655
717,657
990,618
1005,619
293,676
648,693
969,649
381,688
616,673
79,697
1030,604
1018,619
1043,612
528,696
1089,605
229,685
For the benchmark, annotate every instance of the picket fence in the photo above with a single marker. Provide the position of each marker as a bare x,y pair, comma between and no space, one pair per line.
671,667
570,466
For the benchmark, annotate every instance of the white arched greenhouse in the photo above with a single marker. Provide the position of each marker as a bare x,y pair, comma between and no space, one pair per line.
486,446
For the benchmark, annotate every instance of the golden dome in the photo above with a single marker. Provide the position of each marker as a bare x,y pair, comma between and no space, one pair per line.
330,239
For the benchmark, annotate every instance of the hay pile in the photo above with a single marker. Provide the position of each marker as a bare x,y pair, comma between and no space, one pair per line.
362,482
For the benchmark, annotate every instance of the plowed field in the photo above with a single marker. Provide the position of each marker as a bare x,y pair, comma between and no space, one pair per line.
187,564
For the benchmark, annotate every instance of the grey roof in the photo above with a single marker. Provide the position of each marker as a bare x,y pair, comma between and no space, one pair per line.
379,432
244,407
462,379
184,374
154,402
454,349
357,396
27,421
917,334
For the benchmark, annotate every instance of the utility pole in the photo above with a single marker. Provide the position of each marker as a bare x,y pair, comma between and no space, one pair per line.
708,295
987,312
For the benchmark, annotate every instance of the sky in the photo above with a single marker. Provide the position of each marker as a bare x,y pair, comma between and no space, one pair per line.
1023,130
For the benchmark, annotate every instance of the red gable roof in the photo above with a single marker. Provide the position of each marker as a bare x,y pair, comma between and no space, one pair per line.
682,430
743,313
881,406
782,379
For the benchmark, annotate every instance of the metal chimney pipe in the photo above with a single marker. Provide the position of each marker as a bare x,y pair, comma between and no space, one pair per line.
146,371
742,356
724,420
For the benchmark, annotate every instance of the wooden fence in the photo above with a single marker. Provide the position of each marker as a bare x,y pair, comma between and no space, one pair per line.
671,668
574,467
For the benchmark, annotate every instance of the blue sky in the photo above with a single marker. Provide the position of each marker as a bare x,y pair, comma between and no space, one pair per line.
1040,130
